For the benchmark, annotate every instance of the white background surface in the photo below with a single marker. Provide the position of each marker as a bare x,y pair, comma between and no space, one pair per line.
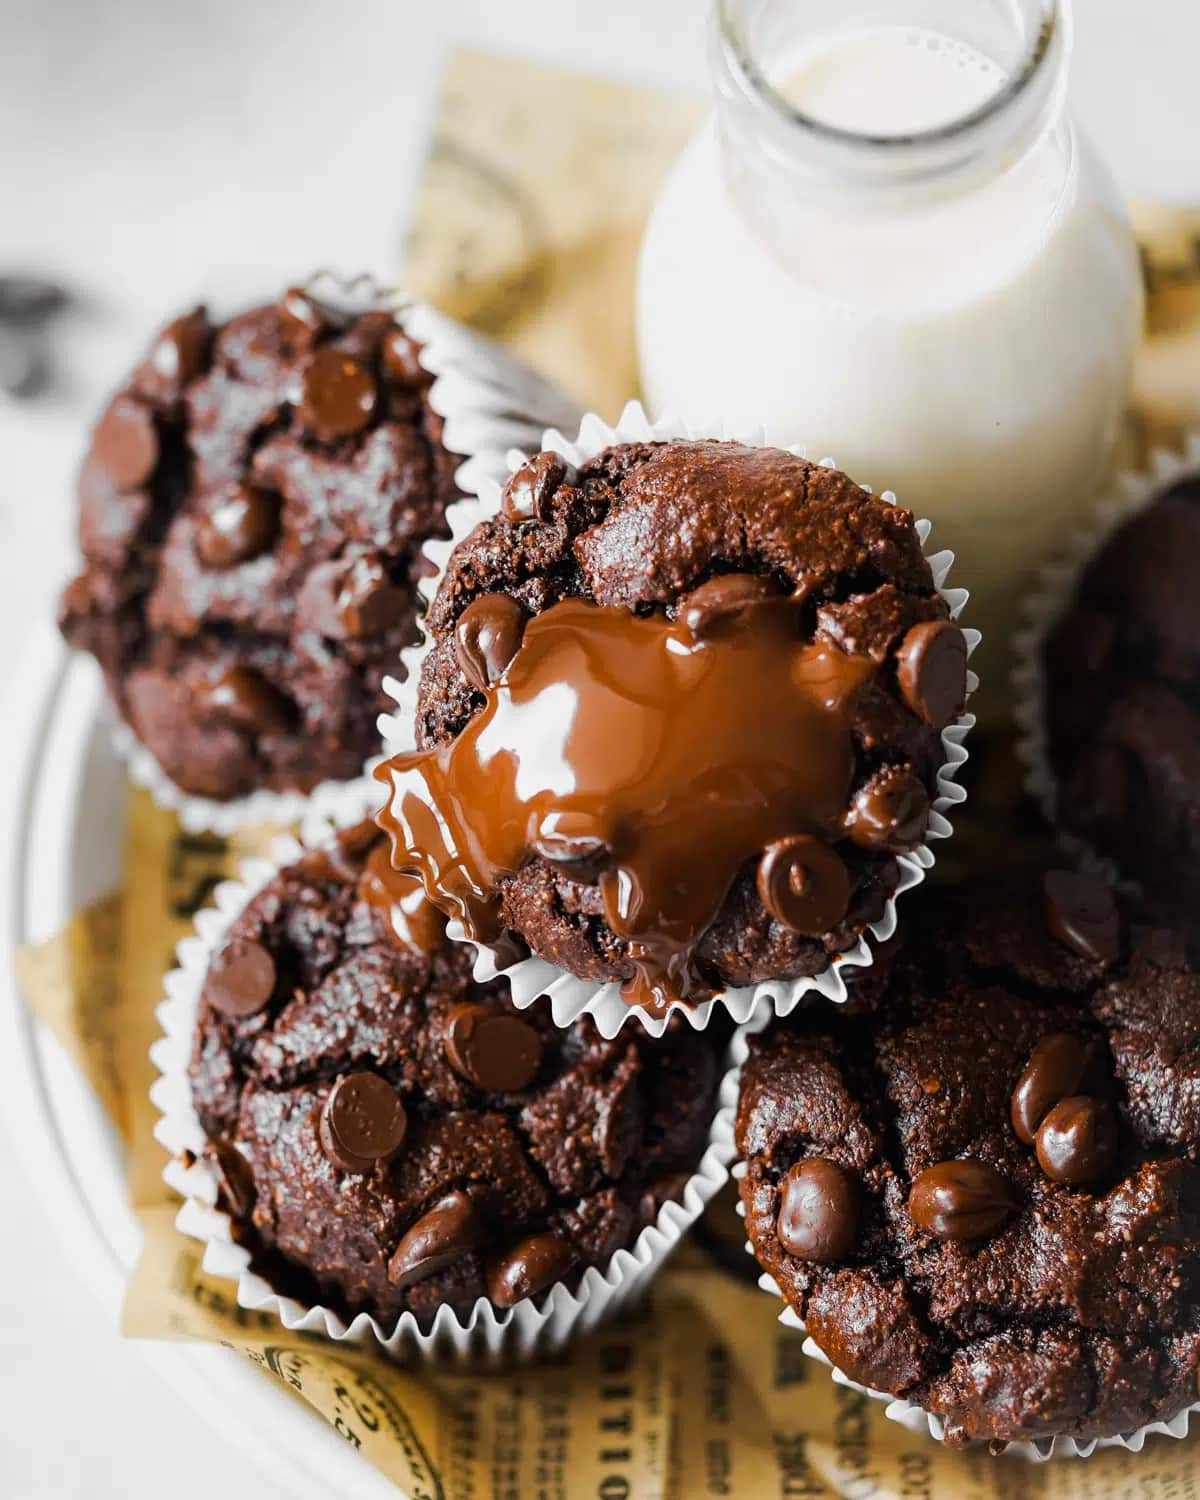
156,150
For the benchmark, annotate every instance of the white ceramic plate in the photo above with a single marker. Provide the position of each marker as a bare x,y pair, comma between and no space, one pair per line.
63,810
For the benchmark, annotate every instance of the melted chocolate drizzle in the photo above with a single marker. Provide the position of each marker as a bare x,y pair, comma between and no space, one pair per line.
677,754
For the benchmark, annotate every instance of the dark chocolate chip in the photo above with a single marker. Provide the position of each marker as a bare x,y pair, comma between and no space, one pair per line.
487,637
125,444
1055,1070
528,494
179,356
931,668
530,1267
717,606
491,1049
818,1211
435,1241
241,979
235,1180
237,525
1077,1141
890,811
401,360
363,1123
960,1200
568,839
1081,913
244,699
352,600
337,395
804,885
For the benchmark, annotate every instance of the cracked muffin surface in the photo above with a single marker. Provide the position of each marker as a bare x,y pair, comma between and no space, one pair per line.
985,1197
657,531
250,516
390,1136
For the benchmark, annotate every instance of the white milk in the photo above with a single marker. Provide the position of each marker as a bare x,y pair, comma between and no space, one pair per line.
970,349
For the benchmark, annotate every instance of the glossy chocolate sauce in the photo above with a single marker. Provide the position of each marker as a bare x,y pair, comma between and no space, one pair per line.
653,758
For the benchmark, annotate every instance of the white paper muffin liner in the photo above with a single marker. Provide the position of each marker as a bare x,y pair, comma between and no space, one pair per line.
570,996
534,1327
490,402
1056,587
907,1413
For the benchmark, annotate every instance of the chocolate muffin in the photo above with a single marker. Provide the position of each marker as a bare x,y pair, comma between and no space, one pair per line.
986,1199
1122,701
680,716
251,511
391,1137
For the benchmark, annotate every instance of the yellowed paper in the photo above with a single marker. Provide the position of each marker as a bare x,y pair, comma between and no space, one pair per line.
527,225
528,222
72,982
1167,381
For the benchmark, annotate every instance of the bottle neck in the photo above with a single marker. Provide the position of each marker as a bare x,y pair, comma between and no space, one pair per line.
775,151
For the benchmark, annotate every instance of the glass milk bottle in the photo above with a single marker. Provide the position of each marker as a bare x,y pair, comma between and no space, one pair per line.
891,245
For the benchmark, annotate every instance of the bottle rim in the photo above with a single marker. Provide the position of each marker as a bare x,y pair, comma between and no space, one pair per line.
1024,102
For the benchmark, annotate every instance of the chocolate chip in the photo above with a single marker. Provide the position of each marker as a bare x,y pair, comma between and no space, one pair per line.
401,360
337,395
818,1211
303,317
1081,913
1077,1141
890,811
529,1268
960,1200
716,606
804,885
237,525
529,492
125,444
931,668
363,1123
435,1241
352,600
235,1180
491,1049
1055,1070
569,839
487,637
178,357
241,979
244,699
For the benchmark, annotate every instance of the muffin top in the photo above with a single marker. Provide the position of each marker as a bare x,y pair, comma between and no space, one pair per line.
1123,700
389,1136
985,1197
680,714
251,509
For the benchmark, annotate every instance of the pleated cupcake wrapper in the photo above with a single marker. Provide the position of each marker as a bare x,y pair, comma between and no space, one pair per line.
1055,590
907,1413
490,402
571,997
491,1335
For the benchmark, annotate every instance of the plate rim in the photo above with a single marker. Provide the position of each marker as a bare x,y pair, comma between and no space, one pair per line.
291,1445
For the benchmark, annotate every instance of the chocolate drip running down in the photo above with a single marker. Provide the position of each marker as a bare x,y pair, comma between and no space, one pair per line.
654,758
